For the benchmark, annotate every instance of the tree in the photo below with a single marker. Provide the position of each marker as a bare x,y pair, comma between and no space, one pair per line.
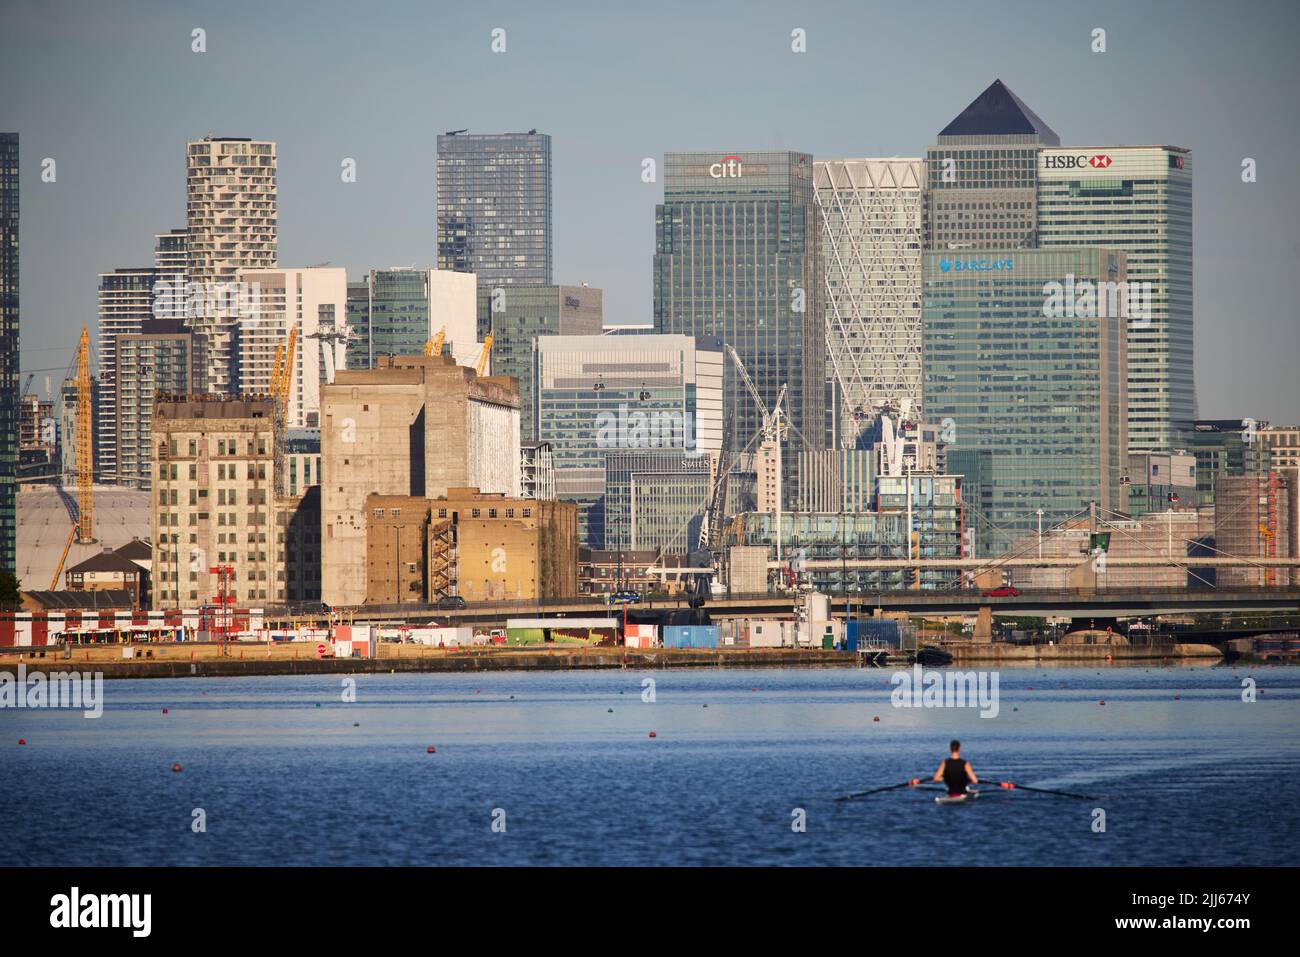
10,588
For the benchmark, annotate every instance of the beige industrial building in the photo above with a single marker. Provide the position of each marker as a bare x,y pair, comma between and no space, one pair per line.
414,426
298,537
214,501
480,547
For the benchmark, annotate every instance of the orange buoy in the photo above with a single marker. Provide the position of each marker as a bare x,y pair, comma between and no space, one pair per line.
176,767
1007,785
1102,702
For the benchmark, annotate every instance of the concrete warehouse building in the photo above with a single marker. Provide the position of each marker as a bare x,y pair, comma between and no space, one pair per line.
481,547
214,501
413,426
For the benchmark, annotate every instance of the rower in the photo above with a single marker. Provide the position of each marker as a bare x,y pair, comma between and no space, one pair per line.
956,772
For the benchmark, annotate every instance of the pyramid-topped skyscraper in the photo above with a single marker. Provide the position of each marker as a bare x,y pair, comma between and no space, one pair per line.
983,174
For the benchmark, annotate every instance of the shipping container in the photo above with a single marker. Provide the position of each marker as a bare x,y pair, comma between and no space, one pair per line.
872,633
690,636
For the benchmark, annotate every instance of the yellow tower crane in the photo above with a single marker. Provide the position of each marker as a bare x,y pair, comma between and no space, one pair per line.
434,346
85,454
282,373
483,359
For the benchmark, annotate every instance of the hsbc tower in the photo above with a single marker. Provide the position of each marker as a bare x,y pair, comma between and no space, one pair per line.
1137,199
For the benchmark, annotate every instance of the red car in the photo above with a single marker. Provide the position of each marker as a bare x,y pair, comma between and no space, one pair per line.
1006,591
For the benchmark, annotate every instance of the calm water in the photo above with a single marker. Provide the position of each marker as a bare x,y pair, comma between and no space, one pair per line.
1205,780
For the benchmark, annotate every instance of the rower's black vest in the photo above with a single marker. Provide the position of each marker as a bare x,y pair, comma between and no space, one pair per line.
954,775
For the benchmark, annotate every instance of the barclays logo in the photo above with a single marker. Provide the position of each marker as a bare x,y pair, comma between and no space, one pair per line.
975,265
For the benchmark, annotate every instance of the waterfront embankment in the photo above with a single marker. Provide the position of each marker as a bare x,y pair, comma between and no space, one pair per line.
183,660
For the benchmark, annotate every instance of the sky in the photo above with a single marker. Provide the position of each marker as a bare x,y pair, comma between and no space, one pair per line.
112,91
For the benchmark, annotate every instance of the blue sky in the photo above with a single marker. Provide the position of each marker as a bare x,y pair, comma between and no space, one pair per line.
112,92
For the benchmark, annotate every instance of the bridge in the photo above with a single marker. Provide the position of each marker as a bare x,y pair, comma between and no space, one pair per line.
1065,603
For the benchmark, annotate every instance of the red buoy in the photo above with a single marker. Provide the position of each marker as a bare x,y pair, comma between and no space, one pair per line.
432,750
876,718
164,710
1102,702
653,735
176,767
22,740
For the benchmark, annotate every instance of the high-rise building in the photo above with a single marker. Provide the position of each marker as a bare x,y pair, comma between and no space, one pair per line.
518,316
494,206
395,312
872,235
983,175
1033,380
126,303
163,356
736,259
313,301
214,502
231,225
8,350
1137,199
413,425
171,265
598,394
655,498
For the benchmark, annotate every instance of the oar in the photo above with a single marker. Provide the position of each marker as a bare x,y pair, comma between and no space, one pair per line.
892,787
1009,786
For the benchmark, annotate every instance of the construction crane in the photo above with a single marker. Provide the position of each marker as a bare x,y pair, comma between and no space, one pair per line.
771,432
282,373
84,528
483,359
434,346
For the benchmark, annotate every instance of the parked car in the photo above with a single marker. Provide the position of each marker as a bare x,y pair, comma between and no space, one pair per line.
451,603
1006,591
623,598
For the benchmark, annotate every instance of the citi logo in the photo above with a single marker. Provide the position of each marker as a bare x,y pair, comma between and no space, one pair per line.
728,168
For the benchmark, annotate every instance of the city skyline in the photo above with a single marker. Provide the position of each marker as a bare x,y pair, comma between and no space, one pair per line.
1245,232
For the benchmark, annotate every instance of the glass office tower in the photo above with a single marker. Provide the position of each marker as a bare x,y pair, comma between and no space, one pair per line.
517,316
736,258
982,174
872,233
494,206
1137,199
1039,398
601,395
8,349
655,499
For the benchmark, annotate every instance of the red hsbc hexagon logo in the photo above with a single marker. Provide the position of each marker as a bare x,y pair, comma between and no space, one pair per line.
1099,161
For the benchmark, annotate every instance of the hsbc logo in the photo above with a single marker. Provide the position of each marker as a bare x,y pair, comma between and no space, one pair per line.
728,168
1076,161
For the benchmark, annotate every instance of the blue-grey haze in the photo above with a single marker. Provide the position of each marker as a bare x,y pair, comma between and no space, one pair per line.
112,92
